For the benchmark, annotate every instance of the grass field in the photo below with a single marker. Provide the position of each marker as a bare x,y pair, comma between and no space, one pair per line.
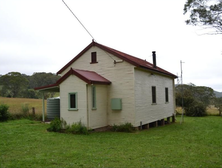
194,143
15,104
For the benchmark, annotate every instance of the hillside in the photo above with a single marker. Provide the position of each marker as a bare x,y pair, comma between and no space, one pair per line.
218,94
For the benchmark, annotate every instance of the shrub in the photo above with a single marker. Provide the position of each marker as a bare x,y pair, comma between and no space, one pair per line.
196,109
4,114
55,125
58,125
77,128
127,127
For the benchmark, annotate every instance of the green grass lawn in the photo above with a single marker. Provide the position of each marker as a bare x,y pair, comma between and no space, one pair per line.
195,143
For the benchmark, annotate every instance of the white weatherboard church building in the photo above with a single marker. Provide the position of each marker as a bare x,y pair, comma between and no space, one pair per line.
102,87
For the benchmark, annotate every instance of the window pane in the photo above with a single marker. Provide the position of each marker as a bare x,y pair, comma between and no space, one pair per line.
153,94
93,57
73,101
93,97
166,95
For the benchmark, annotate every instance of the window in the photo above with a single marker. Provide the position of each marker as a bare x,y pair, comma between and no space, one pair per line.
93,57
93,97
166,95
73,101
153,94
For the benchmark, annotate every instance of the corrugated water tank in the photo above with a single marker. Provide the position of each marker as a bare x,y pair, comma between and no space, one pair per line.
53,108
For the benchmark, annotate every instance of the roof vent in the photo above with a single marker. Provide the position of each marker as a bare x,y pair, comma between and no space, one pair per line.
154,59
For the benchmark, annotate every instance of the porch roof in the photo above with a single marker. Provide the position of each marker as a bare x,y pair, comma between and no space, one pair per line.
48,88
89,77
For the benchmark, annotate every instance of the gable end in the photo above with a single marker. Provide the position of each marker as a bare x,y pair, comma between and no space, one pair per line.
126,57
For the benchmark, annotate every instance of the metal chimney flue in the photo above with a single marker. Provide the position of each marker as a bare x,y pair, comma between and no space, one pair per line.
154,59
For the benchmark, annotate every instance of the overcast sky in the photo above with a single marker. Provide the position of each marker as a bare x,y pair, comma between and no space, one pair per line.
43,35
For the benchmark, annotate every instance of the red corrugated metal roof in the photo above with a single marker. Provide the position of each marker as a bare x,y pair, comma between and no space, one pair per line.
89,77
126,57
51,88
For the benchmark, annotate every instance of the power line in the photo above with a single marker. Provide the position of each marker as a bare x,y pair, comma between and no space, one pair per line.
79,20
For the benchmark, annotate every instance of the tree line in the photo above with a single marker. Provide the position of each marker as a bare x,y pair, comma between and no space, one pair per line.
15,84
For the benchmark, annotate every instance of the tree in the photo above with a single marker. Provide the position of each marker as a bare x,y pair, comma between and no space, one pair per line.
195,98
191,92
30,93
184,92
206,13
13,84
42,79
204,94
196,109
218,104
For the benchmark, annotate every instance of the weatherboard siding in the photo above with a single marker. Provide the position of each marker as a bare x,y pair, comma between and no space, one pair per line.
120,74
98,116
146,112
71,85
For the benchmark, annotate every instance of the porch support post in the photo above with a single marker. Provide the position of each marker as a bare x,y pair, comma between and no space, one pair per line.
43,107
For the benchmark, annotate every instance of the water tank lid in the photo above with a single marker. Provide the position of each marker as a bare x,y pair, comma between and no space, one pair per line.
54,98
